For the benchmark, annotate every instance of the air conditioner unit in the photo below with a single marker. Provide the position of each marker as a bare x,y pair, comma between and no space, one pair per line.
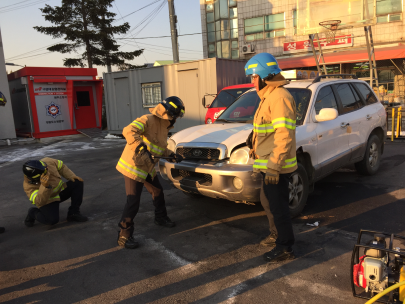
247,49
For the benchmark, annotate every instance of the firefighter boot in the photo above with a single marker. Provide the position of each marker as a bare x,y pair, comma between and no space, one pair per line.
76,217
278,254
269,241
128,243
30,219
164,221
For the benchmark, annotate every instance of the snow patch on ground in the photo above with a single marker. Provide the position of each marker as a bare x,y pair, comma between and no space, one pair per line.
60,148
156,246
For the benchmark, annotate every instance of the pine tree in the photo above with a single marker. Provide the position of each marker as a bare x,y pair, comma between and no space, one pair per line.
87,24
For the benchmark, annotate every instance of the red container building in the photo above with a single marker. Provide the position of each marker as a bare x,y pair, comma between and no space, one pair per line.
50,102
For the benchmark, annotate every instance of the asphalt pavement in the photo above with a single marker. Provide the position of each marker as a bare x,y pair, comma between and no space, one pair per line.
211,256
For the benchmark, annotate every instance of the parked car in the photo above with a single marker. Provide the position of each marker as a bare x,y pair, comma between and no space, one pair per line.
339,122
223,100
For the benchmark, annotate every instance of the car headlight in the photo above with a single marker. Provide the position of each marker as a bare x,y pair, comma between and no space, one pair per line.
240,156
171,145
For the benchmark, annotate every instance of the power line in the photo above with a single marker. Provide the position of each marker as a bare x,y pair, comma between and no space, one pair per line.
169,47
22,6
161,36
124,20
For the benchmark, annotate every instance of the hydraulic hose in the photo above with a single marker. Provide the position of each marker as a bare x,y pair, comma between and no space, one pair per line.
375,298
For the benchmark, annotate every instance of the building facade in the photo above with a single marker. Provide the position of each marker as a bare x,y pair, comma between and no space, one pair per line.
239,29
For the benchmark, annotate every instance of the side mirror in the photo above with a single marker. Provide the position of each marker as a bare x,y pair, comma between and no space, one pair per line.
326,114
203,102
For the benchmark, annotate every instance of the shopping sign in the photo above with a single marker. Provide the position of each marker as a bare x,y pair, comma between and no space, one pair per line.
305,45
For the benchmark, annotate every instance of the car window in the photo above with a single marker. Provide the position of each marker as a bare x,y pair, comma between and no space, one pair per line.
325,99
349,101
225,98
244,108
368,95
302,98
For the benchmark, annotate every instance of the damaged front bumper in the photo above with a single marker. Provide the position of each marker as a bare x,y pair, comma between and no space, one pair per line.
214,179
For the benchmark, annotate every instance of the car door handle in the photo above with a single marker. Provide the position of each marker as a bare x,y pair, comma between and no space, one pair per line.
368,117
344,125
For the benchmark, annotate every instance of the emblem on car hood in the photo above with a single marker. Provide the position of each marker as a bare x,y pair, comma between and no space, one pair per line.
197,152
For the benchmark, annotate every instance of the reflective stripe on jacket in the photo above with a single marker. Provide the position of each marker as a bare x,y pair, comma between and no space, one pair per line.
41,196
274,129
152,130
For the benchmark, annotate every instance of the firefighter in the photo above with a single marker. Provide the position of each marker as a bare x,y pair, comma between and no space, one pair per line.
273,148
45,188
146,142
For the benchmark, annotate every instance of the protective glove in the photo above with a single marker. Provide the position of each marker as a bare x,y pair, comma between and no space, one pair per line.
272,177
142,154
177,157
252,154
74,177
249,141
45,180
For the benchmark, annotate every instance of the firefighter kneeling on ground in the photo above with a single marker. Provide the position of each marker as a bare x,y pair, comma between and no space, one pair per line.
45,188
273,146
146,143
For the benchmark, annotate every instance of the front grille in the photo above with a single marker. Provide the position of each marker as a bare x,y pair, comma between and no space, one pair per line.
200,153
202,178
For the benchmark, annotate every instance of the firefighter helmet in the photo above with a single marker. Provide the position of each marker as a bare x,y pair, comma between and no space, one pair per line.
263,65
174,106
33,169
3,99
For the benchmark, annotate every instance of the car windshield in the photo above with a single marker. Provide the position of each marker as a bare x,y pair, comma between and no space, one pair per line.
225,98
244,108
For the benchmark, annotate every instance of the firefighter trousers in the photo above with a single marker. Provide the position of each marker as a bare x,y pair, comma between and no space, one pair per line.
133,190
49,214
275,202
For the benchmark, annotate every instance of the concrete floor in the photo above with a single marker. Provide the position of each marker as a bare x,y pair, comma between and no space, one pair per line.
211,256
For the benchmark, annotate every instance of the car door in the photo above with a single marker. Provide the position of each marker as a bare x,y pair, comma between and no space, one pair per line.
332,139
351,109
369,118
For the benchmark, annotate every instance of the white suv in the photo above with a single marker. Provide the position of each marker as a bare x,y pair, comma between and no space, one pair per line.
339,122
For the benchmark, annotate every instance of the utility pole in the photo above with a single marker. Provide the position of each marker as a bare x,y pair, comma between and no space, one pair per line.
173,28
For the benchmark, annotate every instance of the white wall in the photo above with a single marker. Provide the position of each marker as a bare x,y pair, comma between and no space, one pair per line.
7,129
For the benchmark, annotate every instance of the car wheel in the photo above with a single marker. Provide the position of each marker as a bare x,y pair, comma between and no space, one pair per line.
299,187
372,157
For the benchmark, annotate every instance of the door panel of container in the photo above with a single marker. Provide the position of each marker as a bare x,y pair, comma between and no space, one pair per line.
121,86
85,113
188,93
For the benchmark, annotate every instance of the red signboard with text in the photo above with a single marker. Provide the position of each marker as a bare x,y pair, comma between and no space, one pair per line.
305,45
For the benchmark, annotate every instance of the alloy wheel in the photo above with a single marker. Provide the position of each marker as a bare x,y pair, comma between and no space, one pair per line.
296,187
373,155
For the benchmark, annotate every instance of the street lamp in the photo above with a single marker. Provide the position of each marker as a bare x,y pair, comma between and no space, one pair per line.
9,63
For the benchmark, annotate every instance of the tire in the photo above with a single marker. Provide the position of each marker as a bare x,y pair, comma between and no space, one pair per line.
299,189
372,157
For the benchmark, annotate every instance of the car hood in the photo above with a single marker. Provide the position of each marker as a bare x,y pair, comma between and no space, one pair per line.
228,134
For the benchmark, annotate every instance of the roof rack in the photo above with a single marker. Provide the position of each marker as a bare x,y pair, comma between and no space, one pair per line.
318,78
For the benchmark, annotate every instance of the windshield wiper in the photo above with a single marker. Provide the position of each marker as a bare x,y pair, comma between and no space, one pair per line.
225,120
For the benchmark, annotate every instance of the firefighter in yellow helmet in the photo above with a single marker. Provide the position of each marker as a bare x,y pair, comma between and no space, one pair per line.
146,142
273,147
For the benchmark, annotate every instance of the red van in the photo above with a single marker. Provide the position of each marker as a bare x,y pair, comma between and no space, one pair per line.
223,100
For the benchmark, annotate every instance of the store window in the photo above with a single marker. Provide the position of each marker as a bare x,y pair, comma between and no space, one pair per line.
151,94
222,29
269,26
389,10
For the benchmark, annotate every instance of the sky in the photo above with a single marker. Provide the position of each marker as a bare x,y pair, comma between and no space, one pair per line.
23,45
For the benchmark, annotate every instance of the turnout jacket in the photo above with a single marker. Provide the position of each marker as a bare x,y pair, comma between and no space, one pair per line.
41,196
151,129
273,138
